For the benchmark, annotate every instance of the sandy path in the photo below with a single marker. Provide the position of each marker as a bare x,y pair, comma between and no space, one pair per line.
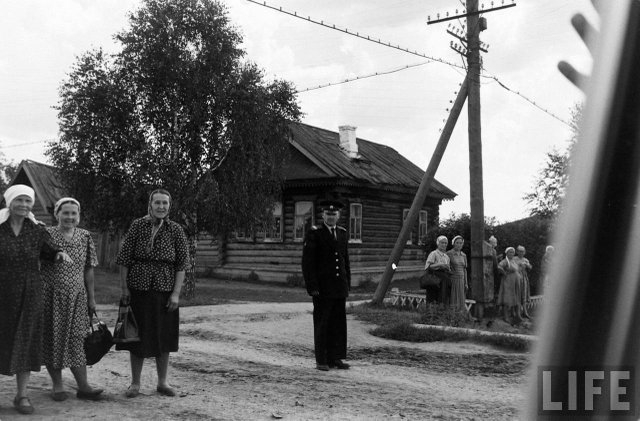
255,362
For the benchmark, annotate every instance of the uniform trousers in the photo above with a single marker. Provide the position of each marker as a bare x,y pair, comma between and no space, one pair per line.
329,329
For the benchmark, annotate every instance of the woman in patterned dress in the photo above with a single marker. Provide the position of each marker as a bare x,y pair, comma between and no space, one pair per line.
438,261
509,296
23,242
459,283
68,302
152,260
524,266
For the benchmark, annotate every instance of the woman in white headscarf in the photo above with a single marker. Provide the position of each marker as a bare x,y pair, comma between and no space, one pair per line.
23,243
510,295
438,262
69,301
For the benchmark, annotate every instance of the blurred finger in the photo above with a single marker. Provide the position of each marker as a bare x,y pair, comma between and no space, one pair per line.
597,4
585,30
574,76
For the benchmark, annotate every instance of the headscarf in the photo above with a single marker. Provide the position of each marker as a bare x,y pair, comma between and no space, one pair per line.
457,237
64,201
505,254
441,237
13,192
157,222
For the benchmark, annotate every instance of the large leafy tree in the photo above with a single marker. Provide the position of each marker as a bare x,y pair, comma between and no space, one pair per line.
177,107
7,172
550,185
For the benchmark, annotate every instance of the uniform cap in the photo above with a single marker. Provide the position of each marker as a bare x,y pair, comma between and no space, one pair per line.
331,205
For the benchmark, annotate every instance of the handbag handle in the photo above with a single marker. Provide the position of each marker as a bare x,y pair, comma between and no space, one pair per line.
91,314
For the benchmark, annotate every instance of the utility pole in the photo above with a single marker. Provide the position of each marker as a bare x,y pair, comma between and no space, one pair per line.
470,48
475,156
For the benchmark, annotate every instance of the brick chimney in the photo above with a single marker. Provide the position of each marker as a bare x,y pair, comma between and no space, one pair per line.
348,141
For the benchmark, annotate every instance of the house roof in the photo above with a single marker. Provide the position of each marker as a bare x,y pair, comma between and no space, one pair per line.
376,164
43,179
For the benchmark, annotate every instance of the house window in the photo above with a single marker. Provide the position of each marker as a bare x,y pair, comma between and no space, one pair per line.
303,219
422,227
273,229
405,213
243,234
355,223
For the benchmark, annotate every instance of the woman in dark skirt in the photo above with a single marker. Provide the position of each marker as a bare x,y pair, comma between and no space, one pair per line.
23,243
153,260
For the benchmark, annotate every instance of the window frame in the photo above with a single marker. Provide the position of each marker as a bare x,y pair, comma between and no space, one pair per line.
296,217
358,220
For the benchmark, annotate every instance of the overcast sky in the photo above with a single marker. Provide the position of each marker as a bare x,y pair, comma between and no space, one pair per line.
404,109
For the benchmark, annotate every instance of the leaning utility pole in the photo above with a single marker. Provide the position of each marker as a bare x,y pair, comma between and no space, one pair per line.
421,194
470,48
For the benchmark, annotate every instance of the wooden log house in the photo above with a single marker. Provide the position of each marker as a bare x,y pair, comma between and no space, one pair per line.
374,182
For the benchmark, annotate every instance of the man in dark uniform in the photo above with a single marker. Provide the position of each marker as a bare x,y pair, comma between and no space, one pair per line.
327,275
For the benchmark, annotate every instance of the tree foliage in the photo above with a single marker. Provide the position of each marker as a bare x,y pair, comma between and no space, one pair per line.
176,107
7,172
551,183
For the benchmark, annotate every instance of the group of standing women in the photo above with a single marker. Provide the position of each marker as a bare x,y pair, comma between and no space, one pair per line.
47,283
514,293
451,267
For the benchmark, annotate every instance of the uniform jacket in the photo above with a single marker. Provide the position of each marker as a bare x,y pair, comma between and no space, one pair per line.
325,262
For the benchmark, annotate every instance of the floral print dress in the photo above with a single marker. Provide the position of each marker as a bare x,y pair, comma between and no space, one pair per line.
66,315
21,295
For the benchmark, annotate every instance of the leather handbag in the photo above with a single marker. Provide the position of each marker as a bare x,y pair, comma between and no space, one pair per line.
126,329
429,279
98,342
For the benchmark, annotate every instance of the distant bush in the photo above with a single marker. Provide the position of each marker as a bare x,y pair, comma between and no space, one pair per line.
295,280
253,277
367,284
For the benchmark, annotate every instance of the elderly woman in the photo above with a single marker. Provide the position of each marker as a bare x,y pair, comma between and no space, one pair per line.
546,263
23,242
68,302
438,262
153,260
509,296
459,284
524,266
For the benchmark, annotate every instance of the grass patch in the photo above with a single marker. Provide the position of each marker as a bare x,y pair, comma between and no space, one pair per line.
383,314
409,333
398,324
209,291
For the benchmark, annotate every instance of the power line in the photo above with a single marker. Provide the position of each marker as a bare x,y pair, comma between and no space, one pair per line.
354,79
355,34
397,47
27,143
530,101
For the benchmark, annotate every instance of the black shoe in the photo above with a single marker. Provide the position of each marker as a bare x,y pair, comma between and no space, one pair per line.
322,367
339,365
91,395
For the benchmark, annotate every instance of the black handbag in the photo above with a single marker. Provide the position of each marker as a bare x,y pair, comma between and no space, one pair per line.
126,329
98,342
429,279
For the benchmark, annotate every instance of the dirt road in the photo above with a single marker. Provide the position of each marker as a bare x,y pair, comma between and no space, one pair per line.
255,362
